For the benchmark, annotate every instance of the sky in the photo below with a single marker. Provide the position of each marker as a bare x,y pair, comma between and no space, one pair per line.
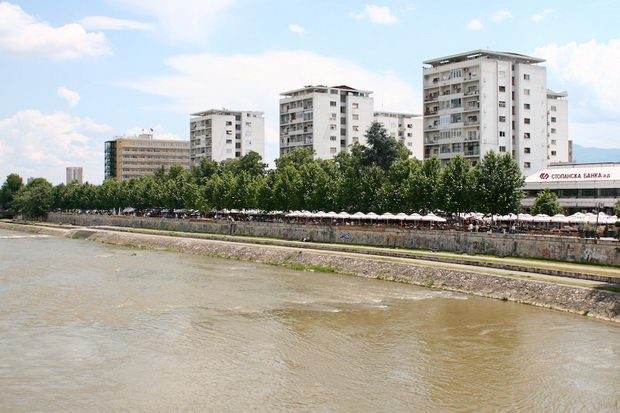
77,73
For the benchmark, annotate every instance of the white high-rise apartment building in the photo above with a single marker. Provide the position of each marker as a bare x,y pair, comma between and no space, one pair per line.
480,101
406,128
557,127
225,134
326,119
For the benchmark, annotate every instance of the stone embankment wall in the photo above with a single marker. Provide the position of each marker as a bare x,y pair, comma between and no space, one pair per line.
567,249
599,304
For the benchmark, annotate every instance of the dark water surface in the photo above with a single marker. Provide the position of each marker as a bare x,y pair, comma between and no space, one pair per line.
90,327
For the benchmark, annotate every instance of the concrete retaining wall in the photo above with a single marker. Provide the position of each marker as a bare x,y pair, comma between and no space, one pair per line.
599,304
569,249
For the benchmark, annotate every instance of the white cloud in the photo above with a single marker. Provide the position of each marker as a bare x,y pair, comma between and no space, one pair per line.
157,131
37,144
500,15
542,15
474,24
190,20
205,81
295,28
377,14
23,34
72,97
588,71
111,23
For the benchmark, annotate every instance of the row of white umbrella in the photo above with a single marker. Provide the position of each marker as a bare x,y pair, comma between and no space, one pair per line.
577,218
364,216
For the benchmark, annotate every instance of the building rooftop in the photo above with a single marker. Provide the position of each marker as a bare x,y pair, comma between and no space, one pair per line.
223,111
474,54
552,93
386,113
323,88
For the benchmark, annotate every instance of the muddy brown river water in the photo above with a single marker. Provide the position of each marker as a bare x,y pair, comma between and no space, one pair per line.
91,327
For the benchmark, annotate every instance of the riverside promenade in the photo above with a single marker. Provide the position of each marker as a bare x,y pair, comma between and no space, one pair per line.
577,290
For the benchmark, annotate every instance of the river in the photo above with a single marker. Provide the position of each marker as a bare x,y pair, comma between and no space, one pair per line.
92,327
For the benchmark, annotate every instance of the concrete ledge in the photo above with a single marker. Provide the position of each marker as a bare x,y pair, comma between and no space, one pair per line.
600,304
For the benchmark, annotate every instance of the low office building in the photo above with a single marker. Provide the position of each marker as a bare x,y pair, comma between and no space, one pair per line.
133,157
580,187
74,175
406,128
226,134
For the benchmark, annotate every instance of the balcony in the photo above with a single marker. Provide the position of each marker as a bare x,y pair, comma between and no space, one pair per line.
431,98
431,112
471,122
432,127
471,107
429,140
472,138
472,92
474,152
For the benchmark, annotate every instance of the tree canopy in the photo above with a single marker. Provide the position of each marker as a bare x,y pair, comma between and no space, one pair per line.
546,202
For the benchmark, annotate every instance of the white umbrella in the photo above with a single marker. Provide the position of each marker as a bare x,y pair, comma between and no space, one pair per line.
525,217
306,214
401,216
372,215
359,215
293,214
344,215
414,217
560,219
541,218
388,216
578,218
430,217
320,214
331,214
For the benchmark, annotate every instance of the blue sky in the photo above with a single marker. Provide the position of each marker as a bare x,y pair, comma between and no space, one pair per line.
79,72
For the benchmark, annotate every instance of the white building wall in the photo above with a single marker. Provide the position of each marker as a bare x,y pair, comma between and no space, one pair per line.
558,130
406,128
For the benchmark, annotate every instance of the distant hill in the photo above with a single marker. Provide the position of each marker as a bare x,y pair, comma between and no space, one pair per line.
582,154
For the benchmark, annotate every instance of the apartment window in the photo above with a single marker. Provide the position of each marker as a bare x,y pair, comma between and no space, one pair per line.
332,103
228,123
526,106
526,76
409,125
553,130
409,134
526,135
502,134
502,149
527,150
356,139
332,150
229,141
409,144
333,116
553,119
553,153
228,132
356,116
502,104
332,126
553,108
354,105
526,165
553,141
332,138
526,91
456,147
502,118
526,121
502,88
456,73
356,128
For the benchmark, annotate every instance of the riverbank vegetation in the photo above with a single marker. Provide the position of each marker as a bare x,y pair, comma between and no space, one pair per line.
379,177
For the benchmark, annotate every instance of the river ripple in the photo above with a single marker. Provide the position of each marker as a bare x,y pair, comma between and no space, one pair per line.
91,327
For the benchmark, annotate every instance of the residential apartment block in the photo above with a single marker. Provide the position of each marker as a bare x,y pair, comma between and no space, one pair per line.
133,157
226,134
481,101
406,128
560,147
74,174
326,119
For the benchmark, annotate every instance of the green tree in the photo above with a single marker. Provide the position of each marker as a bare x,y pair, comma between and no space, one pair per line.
499,184
546,202
456,186
382,149
617,209
287,190
9,189
369,196
296,158
427,186
318,190
35,199
252,163
205,169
